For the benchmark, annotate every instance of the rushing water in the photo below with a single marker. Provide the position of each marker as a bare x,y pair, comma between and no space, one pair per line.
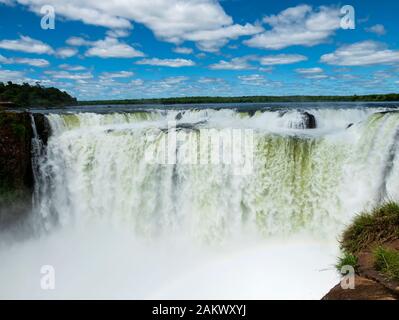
114,224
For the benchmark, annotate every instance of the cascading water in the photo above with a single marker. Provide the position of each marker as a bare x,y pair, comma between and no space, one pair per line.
96,169
203,222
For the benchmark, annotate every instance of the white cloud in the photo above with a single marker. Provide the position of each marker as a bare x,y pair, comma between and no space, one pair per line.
111,48
92,12
77,41
300,25
378,29
253,79
173,63
243,63
316,76
281,59
258,80
28,61
137,82
309,71
174,80
213,40
11,75
175,21
266,69
26,44
207,80
240,63
29,45
69,67
69,76
362,54
312,73
183,50
118,33
120,74
66,52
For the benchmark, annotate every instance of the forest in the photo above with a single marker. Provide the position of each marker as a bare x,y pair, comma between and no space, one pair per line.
26,95
249,99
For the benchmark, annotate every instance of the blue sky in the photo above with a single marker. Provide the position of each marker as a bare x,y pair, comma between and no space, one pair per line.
163,48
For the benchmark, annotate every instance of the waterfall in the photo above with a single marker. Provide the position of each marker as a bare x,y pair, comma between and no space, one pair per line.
141,205
37,155
309,181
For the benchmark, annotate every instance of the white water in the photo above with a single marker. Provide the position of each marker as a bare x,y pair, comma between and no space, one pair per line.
115,226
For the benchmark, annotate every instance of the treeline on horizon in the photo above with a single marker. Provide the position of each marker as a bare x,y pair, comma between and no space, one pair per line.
26,95
249,99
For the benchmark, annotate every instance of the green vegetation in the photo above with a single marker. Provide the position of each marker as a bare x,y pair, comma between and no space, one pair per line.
249,99
14,123
370,231
372,228
387,262
347,259
26,95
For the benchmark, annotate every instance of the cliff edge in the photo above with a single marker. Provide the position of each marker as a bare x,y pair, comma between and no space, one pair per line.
16,178
371,246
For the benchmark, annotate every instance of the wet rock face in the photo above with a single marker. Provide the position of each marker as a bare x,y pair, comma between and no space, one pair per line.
179,116
16,178
309,120
43,127
365,289
300,120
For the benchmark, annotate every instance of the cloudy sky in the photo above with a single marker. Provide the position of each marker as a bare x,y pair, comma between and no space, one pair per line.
160,48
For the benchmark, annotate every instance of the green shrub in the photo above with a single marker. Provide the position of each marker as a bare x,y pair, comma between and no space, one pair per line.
372,228
347,259
387,262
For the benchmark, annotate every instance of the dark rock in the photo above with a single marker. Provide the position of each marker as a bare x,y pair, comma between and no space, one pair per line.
309,120
16,177
43,127
7,105
370,284
365,289
306,121
179,116
387,112
251,113
350,125
185,126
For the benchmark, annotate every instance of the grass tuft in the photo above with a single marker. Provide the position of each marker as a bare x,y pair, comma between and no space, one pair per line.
387,262
372,228
347,259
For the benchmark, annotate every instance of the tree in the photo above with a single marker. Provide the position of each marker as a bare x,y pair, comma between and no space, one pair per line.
26,95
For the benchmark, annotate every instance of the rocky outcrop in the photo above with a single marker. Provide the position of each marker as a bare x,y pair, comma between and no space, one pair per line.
369,283
300,120
365,289
43,127
16,178
6,105
309,120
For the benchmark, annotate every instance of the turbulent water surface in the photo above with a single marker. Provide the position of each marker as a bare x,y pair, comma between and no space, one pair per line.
116,224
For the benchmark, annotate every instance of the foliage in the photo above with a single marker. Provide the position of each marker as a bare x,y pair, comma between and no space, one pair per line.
249,99
27,95
387,261
372,228
347,259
